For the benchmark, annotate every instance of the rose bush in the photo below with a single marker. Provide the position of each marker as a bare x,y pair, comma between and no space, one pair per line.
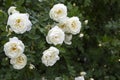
59,39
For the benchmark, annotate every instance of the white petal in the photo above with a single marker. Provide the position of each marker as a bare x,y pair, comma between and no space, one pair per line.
79,78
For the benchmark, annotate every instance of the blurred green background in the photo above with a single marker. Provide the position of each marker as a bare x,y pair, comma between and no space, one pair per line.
97,52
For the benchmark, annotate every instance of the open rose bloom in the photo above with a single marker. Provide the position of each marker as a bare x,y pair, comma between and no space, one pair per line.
58,12
50,56
73,25
19,62
19,22
14,47
55,36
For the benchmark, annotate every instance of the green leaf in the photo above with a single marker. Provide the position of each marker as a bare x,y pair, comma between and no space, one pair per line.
19,2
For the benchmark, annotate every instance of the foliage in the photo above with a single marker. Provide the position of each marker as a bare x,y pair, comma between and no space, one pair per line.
97,52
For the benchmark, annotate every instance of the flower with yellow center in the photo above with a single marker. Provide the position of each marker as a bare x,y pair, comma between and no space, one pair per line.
55,36
74,25
58,12
19,22
50,56
62,24
14,47
19,62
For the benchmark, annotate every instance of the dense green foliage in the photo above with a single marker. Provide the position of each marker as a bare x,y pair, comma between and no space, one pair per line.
97,52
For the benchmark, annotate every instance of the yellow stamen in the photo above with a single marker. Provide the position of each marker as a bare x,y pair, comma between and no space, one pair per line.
59,11
73,24
20,59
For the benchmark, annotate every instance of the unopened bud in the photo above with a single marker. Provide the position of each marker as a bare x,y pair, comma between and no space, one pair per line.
31,66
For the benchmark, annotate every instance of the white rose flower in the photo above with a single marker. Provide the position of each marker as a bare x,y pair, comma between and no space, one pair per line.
58,12
19,22
19,62
14,47
79,78
12,10
55,36
50,56
68,38
62,24
74,25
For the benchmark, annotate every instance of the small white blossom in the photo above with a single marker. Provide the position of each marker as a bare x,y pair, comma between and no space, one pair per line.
74,25
68,38
14,47
99,44
19,62
83,73
81,35
12,10
91,78
119,60
86,22
19,22
79,78
58,12
55,36
50,56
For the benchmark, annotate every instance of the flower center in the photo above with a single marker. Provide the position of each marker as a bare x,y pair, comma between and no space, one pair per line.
52,56
56,37
73,24
20,59
62,26
14,47
18,22
59,11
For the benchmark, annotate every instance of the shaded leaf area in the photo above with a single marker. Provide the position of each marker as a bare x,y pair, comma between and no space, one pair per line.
97,52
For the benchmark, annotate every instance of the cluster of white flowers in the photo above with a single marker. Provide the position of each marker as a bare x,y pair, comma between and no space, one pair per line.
69,25
62,32
18,22
14,50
